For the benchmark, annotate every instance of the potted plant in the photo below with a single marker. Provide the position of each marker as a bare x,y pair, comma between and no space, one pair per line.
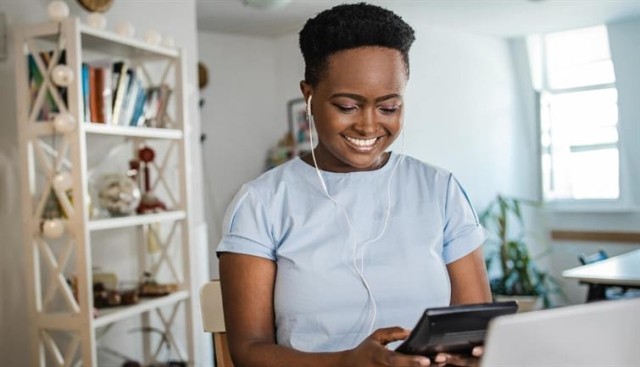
513,273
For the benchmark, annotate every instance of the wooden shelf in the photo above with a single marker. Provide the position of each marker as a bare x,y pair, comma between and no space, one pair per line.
596,236
104,41
111,315
134,220
141,132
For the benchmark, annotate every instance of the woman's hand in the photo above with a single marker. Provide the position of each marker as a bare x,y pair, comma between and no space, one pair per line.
372,351
446,359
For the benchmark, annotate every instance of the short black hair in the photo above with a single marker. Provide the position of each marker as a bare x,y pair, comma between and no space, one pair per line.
351,26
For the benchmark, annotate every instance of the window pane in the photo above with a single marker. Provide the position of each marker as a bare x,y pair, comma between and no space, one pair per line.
600,72
594,174
578,58
582,175
583,118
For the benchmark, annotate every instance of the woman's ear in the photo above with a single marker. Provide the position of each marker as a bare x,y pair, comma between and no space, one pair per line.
306,89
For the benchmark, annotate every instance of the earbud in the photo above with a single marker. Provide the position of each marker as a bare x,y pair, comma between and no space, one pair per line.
308,108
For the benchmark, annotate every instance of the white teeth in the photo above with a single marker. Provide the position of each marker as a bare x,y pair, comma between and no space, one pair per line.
362,142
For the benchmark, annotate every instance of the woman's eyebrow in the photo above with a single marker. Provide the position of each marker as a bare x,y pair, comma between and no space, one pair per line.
360,98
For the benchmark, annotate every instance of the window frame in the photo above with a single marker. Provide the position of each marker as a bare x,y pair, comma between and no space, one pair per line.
621,204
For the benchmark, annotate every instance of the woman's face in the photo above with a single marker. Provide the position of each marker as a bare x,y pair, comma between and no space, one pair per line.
358,108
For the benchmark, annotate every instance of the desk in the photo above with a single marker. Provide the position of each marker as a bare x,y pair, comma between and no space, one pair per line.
622,271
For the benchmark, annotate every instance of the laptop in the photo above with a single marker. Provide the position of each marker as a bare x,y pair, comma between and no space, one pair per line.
598,334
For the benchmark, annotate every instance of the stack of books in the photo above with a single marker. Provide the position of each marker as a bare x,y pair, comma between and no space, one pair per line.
114,94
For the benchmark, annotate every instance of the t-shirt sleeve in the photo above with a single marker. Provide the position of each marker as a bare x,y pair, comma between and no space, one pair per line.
246,228
462,231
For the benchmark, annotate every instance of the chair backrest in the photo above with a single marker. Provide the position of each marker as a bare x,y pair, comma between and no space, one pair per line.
595,257
213,321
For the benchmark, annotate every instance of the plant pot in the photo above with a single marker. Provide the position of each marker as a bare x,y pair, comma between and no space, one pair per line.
525,303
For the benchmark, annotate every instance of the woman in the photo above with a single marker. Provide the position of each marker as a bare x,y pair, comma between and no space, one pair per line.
323,250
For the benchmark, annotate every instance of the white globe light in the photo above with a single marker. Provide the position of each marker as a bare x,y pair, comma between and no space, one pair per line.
53,228
64,122
58,10
62,181
62,75
168,41
97,20
152,37
125,29
266,4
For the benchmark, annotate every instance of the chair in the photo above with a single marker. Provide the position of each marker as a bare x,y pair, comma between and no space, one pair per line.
213,321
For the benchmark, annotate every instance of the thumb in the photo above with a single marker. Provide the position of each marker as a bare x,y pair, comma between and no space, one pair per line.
387,335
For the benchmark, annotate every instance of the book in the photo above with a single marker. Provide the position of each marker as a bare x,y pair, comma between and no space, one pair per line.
121,78
85,92
94,101
130,100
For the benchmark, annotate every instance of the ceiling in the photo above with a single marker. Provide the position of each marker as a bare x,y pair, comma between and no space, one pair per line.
504,18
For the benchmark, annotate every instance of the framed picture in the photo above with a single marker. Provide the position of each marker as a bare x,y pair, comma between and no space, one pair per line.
298,125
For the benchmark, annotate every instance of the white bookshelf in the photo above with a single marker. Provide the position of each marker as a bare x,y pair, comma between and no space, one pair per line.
54,306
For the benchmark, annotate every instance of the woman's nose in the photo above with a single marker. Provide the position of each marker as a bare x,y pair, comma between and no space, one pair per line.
366,124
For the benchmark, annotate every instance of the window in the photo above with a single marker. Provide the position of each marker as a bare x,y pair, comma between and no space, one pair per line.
574,75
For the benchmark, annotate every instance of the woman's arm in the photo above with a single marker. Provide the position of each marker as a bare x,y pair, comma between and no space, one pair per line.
247,291
469,284
469,281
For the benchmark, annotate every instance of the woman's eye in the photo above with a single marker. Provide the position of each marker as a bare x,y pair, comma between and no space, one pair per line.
345,108
389,110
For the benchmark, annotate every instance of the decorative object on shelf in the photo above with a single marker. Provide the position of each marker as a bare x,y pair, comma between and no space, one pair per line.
149,287
62,181
52,225
62,75
97,20
64,122
281,152
152,37
125,29
53,228
58,10
118,194
149,203
203,75
298,125
96,5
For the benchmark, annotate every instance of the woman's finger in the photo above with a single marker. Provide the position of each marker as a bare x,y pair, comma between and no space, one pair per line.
478,351
387,335
443,359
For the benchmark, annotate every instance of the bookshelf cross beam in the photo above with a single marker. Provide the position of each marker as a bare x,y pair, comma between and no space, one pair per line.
46,85
58,281
56,354
170,340
160,178
164,246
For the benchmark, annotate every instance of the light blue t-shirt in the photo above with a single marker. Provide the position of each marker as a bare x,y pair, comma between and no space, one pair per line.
320,301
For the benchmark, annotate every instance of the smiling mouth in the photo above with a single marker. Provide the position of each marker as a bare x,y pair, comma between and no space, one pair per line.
362,144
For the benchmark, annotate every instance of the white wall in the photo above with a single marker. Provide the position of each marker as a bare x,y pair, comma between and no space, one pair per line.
175,18
463,112
242,118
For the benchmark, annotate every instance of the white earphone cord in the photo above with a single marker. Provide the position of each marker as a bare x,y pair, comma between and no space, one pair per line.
359,270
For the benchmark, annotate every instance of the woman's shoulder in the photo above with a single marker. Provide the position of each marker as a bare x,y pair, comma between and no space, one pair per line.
274,179
422,168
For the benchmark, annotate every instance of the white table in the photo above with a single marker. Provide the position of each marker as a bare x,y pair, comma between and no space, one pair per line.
622,270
